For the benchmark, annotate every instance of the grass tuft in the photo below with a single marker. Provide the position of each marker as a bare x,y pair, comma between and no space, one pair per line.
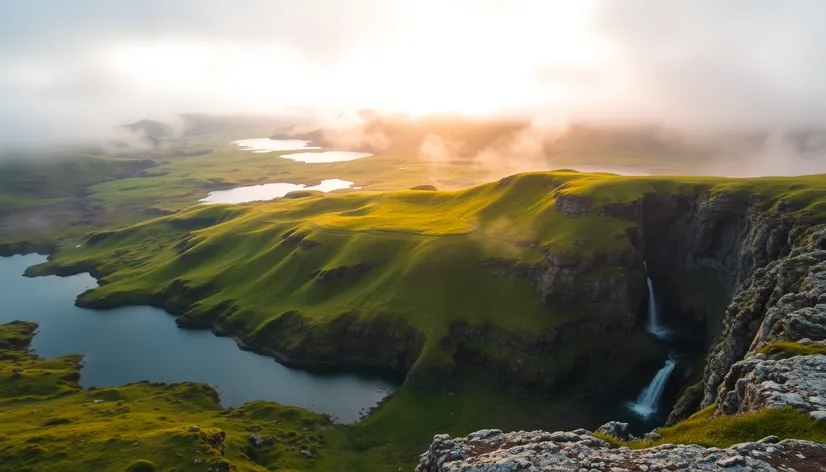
723,431
786,349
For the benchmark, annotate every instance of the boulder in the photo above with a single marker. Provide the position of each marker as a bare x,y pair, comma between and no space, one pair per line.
615,429
652,436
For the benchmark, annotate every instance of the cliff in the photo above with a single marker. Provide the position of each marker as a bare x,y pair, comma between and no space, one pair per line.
766,259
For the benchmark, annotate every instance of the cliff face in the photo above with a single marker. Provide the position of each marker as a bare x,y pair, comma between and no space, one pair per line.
778,300
712,250
768,348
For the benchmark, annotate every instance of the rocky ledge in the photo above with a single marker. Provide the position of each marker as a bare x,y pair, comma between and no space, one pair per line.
755,384
579,451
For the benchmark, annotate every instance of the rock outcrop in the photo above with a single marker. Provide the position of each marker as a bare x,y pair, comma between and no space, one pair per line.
768,261
539,451
758,383
782,302
566,280
616,429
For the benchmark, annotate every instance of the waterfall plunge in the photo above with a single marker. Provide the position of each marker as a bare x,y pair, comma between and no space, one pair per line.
654,326
649,399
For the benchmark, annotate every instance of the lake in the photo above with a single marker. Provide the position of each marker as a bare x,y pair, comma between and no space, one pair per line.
262,145
325,157
143,343
263,192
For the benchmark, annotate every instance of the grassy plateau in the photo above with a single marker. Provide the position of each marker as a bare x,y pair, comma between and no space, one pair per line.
437,278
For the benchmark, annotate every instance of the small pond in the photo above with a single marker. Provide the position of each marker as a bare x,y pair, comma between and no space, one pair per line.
262,145
327,156
315,156
263,192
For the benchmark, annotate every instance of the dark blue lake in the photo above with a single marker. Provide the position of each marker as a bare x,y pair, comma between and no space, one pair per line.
143,343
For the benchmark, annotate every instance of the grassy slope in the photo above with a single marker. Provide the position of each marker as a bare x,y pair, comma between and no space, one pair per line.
188,168
429,243
54,425
113,193
43,180
427,250
430,246
48,423
723,431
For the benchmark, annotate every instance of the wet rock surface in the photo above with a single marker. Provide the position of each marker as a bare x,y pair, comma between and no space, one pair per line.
493,451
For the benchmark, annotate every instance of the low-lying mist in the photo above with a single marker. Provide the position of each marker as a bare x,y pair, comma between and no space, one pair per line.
509,145
499,145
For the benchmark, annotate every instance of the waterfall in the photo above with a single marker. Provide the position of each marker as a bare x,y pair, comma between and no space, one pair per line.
649,398
653,315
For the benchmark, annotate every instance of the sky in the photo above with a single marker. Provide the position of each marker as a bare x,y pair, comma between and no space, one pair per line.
73,69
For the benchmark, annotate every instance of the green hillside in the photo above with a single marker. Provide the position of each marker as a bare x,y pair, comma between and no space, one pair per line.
402,281
48,423
290,277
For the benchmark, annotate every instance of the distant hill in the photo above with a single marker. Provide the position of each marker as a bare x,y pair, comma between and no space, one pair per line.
154,131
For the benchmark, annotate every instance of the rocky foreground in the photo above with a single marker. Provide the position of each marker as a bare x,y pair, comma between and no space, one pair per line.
578,451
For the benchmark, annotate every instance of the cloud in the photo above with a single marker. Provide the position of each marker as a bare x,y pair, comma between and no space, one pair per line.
736,63
73,69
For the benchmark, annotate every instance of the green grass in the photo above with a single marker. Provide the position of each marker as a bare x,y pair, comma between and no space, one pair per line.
16,335
413,262
240,268
59,426
723,431
143,426
785,349
24,375
63,428
426,254
79,190
64,174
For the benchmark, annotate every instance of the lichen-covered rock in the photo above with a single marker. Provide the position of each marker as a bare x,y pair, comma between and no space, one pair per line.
755,384
801,312
783,301
539,451
615,429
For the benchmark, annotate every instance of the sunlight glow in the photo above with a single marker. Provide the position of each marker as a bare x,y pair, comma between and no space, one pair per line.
472,60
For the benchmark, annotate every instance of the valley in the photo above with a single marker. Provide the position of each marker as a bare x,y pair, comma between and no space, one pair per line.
514,302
